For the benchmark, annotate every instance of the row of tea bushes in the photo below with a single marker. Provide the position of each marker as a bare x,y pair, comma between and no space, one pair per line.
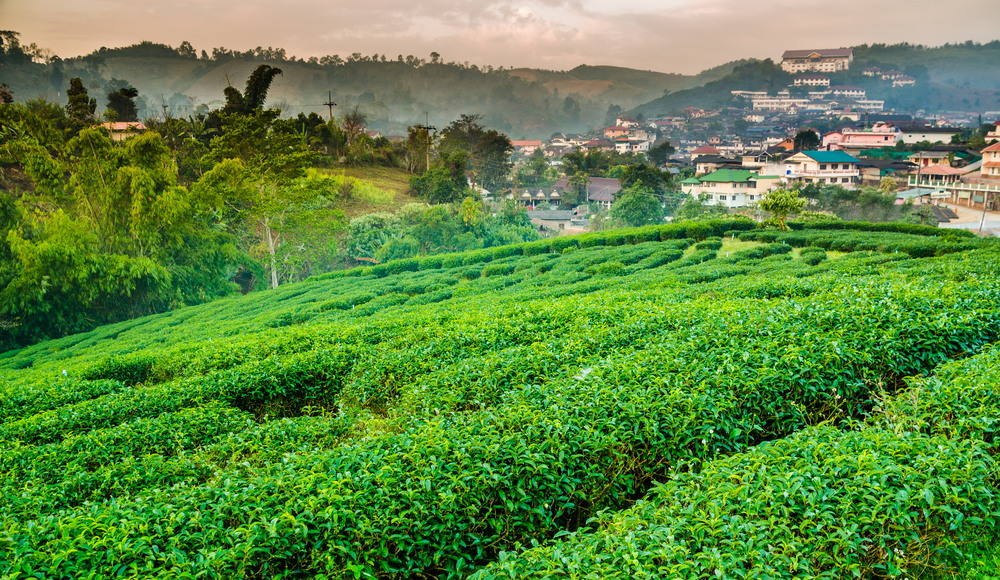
892,499
850,241
504,462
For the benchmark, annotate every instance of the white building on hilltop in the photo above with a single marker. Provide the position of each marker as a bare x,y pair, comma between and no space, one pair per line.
823,60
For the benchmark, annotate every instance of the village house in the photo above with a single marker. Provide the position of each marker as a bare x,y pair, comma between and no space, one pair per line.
823,167
928,158
911,135
526,147
615,132
626,121
854,140
822,60
891,75
709,163
121,130
904,81
872,71
600,190
731,187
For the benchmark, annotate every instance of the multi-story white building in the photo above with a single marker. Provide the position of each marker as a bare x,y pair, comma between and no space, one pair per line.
822,60
812,81
823,167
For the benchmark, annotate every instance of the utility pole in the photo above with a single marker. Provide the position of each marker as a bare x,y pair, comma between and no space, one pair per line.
428,129
164,105
329,103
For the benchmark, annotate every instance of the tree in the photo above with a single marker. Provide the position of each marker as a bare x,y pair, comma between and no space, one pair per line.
649,178
807,140
81,107
490,160
741,125
660,154
353,125
611,118
259,158
122,104
887,185
780,203
637,206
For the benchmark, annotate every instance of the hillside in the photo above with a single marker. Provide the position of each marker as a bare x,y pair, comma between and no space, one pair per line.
435,417
394,94
964,77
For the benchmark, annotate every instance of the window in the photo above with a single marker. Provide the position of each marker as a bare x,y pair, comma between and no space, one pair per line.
844,180
722,198
822,167
751,198
834,166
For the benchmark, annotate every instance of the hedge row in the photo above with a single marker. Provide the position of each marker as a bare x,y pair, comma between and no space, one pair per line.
892,499
453,490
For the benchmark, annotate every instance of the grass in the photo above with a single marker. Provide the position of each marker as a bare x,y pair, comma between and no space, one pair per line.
391,179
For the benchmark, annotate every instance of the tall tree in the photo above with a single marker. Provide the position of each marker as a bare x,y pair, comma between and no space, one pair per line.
259,158
637,206
81,107
122,104
806,140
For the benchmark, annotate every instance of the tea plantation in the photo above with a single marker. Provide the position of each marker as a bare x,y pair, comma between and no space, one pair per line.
699,400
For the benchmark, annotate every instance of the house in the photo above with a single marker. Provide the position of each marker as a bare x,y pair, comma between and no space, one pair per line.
627,145
911,135
812,81
872,71
122,130
941,172
891,75
709,163
991,158
823,167
626,121
731,187
552,219
602,144
600,190
526,147
928,158
615,132
705,150
904,81
821,60
695,112
854,140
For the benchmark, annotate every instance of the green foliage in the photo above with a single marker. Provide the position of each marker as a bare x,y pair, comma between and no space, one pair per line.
780,203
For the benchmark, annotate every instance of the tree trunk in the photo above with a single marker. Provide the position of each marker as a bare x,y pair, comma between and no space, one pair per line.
270,249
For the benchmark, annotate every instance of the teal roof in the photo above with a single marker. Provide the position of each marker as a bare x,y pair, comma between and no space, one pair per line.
831,157
729,176
691,181
768,177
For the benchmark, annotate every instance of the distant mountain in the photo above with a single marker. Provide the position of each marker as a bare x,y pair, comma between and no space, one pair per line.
393,93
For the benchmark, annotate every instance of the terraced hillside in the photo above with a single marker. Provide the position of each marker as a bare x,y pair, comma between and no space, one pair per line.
726,401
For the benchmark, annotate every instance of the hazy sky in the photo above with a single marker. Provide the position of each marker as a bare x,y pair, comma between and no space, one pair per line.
683,36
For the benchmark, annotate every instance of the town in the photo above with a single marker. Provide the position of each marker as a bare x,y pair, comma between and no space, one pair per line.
812,132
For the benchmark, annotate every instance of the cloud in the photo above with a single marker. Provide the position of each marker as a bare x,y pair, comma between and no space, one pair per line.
665,35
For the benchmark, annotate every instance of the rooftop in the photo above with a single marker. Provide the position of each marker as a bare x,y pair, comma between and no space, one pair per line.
831,157
819,53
